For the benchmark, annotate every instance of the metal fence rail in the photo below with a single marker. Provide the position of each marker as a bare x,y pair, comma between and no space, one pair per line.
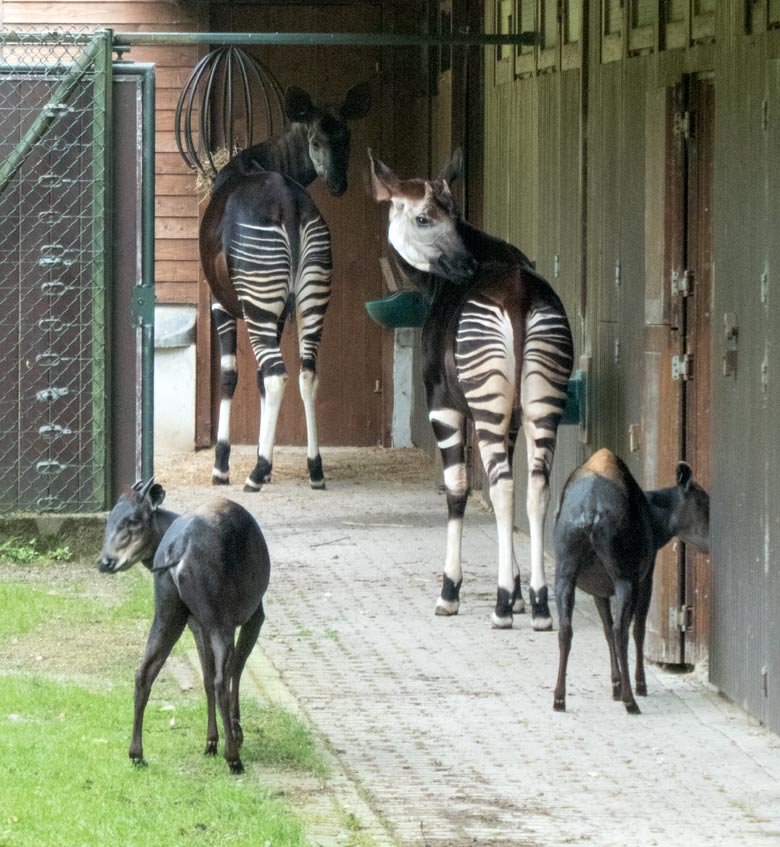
54,108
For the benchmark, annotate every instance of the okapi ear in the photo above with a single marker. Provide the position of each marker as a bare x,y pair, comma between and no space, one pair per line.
357,102
454,168
297,105
157,495
384,183
684,475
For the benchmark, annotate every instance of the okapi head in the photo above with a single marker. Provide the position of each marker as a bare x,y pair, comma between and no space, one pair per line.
130,537
423,225
327,131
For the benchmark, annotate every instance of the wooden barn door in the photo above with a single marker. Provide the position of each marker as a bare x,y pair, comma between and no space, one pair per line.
679,623
350,360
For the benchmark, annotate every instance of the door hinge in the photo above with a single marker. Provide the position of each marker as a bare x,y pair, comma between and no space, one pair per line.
682,283
142,306
682,124
682,367
681,618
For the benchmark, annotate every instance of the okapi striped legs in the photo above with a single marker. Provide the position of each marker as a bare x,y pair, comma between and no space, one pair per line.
226,331
448,429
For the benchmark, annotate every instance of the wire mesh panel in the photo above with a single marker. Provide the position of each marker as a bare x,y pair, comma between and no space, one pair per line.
54,94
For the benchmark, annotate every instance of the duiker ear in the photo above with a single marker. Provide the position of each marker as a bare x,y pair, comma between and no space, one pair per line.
384,183
298,105
137,485
454,168
357,102
684,475
157,495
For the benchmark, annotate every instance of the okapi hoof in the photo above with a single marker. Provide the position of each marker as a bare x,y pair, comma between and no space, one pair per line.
236,767
316,476
211,747
541,619
447,608
518,604
632,708
218,479
499,622
449,601
502,616
559,704
259,476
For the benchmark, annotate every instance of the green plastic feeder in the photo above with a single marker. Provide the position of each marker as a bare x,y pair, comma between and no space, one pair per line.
402,308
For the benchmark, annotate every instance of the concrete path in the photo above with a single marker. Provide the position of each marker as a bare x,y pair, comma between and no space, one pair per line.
444,726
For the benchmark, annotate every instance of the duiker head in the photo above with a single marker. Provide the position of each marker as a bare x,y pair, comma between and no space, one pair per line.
327,130
692,513
130,535
423,222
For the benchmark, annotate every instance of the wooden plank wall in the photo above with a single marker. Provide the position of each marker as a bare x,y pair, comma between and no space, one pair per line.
176,226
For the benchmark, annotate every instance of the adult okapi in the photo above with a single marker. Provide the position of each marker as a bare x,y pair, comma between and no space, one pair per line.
497,348
265,250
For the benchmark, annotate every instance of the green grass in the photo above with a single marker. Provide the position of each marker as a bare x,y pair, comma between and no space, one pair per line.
65,777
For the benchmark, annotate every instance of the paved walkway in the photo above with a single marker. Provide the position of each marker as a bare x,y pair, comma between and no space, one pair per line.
446,726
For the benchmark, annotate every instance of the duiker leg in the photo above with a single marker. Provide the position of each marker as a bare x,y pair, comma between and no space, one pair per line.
247,638
625,597
207,666
224,654
226,326
448,428
605,613
564,597
170,618
640,622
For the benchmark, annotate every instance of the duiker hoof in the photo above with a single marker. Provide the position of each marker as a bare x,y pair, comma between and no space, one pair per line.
641,689
633,709
138,761
617,691
559,705
497,622
211,748
236,767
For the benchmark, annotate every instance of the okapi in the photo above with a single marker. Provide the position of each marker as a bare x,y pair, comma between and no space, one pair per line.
265,249
497,348
607,534
211,571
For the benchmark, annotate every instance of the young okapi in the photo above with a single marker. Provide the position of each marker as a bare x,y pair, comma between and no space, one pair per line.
211,570
265,250
607,533
497,347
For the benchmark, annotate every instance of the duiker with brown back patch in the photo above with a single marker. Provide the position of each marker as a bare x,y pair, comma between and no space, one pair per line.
607,533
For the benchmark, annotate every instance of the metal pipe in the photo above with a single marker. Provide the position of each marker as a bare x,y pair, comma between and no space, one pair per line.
357,39
147,72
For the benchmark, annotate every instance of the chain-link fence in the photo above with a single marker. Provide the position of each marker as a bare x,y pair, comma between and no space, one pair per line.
54,99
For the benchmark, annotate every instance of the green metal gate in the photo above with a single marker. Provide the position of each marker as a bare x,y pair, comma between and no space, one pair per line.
55,108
